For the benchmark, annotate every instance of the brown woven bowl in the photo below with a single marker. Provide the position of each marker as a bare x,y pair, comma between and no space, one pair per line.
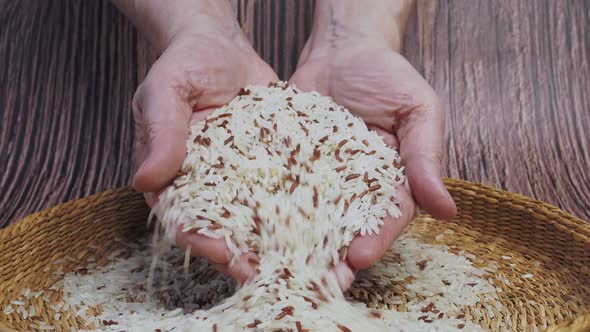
541,239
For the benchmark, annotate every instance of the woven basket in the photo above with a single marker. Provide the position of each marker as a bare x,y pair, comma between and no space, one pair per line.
541,239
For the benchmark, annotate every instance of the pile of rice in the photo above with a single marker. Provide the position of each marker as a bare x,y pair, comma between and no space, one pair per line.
444,285
292,177
275,155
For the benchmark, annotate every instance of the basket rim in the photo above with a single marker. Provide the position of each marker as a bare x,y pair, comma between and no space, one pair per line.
451,184
61,209
573,223
539,207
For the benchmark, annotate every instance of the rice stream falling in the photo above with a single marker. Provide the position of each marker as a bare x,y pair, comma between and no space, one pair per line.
292,177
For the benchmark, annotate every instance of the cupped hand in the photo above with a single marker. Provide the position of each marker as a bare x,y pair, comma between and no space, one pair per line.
380,86
195,74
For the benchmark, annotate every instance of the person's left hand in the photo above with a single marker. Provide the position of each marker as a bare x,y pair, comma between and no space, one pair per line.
205,60
380,86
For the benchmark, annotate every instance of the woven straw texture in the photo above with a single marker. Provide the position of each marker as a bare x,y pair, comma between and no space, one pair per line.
541,239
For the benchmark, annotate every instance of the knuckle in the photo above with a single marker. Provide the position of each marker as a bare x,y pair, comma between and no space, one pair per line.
429,103
424,99
434,158
437,157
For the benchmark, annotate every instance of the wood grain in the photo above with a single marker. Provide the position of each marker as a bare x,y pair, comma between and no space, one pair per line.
512,76
514,79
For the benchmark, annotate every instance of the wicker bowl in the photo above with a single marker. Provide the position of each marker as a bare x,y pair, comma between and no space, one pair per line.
541,239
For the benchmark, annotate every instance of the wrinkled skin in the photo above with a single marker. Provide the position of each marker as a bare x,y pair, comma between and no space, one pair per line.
195,75
381,87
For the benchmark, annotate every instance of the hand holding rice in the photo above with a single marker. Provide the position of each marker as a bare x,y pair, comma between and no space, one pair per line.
289,178
293,178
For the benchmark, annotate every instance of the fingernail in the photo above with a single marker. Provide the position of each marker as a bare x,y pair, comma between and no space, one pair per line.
344,275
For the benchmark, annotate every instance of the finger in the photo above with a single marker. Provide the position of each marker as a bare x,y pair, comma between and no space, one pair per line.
242,271
165,117
344,274
200,116
365,250
200,245
308,84
308,79
421,146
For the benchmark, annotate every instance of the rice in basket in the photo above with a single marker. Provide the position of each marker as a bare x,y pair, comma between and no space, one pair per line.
292,177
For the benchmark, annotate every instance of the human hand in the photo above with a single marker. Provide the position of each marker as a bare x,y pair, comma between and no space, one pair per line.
205,62
357,63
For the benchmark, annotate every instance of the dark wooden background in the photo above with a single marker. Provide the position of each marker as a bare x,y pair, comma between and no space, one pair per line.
513,76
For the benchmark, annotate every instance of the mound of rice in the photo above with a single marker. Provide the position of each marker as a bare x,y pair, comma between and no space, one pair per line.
275,154
439,293
292,177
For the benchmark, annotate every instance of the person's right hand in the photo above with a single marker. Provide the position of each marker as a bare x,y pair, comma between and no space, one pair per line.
198,71
353,56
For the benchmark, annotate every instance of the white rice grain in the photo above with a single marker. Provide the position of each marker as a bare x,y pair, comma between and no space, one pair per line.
8,310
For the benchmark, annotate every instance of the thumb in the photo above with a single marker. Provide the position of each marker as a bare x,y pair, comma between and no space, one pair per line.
162,122
421,143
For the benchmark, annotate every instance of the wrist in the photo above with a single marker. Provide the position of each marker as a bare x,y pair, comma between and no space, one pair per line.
342,24
162,23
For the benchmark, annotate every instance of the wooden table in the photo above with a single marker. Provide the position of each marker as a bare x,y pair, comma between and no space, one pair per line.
513,76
